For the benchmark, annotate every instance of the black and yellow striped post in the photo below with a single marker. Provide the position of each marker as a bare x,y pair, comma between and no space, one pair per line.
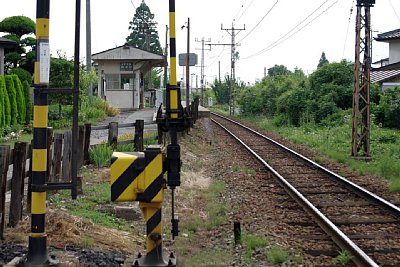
175,120
173,91
37,251
138,176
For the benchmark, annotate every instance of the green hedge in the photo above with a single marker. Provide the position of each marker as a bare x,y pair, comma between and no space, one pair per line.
2,100
20,98
12,96
6,110
28,102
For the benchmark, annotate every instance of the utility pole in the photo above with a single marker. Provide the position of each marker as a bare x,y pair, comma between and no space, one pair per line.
187,61
232,84
361,122
89,47
146,31
233,32
165,64
219,70
202,68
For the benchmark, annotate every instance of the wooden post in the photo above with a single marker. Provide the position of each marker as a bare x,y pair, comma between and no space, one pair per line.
237,232
4,162
56,163
160,135
139,127
49,152
66,158
113,134
81,144
88,131
17,183
29,194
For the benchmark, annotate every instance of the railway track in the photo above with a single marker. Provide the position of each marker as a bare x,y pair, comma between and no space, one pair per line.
356,220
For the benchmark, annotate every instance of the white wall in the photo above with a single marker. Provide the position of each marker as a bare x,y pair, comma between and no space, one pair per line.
394,51
122,99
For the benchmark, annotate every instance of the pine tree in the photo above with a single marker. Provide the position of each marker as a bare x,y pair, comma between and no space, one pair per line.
322,61
20,99
28,101
144,34
12,96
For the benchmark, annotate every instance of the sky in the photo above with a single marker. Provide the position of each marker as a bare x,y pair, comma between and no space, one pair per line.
287,32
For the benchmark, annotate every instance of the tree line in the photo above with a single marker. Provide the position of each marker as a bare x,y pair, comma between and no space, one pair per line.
324,97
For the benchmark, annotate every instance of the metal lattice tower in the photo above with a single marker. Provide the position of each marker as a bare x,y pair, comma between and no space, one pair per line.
362,67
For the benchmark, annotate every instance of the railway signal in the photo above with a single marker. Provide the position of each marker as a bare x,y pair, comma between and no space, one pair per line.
139,176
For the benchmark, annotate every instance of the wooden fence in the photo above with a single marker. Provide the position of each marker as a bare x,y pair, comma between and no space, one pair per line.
59,156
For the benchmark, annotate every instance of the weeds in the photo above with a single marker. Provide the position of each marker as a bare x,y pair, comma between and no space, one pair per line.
384,146
343,258
251,242
277,255
100,155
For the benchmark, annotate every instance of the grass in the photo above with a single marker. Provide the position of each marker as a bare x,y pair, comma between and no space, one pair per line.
216,208
277,255
251,242
343,258
100,155
87,206
335,142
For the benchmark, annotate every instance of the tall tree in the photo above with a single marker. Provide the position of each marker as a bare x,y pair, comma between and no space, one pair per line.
144,34
278,70
322,61
23,56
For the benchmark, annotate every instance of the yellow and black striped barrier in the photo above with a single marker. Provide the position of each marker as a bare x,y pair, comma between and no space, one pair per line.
138,176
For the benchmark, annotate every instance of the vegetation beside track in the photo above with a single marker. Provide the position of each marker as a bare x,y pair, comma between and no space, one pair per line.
335,142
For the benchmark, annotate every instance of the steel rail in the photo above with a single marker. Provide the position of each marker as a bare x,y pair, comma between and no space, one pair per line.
360,258
362,192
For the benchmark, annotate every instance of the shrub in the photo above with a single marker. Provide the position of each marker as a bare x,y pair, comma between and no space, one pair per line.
2,104
389,108
110,110
22,74
13,100
20,99
28,102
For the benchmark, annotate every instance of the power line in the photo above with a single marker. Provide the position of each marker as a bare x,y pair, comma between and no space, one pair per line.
288,35
348,27
237,20
237,13
394,10
269,11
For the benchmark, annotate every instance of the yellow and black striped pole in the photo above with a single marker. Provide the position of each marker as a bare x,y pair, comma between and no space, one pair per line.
37,251
173,91
176,121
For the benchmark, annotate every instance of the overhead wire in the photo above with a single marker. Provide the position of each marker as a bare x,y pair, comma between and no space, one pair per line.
251,3
235,21
293,31
258,23
348,27
394,10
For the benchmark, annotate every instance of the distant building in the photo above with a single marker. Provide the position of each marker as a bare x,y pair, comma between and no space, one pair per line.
120,75
388,73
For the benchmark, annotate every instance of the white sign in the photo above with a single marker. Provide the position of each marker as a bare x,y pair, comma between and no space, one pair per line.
44,62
